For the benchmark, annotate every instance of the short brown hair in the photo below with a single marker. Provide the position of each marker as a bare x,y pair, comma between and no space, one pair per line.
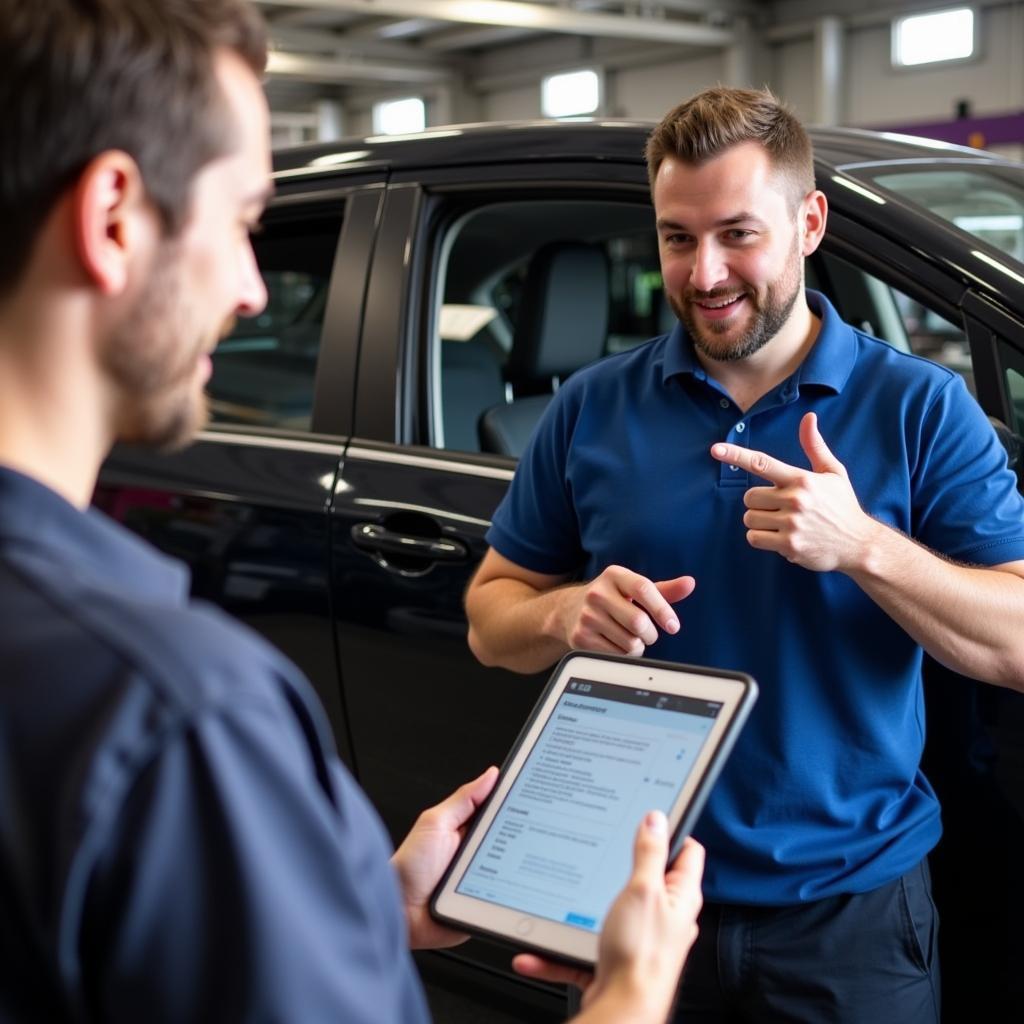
81,77
714,120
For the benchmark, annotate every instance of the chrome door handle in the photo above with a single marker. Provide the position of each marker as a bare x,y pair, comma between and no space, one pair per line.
373,537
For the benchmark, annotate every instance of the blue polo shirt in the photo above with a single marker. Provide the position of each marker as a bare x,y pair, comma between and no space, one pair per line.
823,794
178,841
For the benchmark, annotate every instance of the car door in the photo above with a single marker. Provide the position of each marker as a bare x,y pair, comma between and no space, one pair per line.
245,506
410,510
416,492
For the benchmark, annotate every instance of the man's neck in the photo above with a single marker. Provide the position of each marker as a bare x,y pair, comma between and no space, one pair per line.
51,427
747,380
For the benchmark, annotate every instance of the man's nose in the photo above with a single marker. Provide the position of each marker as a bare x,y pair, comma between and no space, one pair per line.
252,294
709,269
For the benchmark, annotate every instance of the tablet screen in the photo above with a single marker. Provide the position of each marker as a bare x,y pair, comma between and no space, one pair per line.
561,842
609,739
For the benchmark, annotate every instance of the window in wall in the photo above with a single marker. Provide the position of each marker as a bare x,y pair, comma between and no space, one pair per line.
573,94
933,37
263,372
400,117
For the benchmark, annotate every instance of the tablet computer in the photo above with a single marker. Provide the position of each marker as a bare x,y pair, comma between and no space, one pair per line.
609,739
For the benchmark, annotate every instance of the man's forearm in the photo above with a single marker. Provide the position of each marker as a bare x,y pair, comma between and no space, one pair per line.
970,619
516,626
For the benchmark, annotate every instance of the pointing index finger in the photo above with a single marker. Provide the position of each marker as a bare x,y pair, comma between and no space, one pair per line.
755,462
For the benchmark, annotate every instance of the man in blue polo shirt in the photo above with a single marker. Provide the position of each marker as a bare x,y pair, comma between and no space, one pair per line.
826,507
178,840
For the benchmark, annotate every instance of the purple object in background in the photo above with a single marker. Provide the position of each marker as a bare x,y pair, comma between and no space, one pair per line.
978,132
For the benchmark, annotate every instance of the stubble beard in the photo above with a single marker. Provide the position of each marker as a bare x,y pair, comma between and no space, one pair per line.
770,314
152,357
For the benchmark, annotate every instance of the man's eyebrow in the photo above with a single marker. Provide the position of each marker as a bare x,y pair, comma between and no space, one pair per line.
743,217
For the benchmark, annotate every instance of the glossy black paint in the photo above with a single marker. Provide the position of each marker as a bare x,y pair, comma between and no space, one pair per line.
268,531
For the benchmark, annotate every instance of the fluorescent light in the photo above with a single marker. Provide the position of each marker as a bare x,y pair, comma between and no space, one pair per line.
571,94
990,222
399,117
938,36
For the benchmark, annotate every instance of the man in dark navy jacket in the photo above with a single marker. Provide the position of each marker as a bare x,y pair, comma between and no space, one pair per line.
178,840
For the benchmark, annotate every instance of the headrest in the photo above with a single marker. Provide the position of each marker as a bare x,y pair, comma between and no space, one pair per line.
563,315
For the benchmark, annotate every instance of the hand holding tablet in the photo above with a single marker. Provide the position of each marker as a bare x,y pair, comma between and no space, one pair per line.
609,739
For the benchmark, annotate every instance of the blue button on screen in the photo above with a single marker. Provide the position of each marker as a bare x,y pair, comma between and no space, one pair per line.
581,921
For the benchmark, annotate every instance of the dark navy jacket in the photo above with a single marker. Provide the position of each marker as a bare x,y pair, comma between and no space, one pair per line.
178,841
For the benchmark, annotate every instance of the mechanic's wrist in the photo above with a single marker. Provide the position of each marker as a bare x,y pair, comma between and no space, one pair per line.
868,556
627,998
560,619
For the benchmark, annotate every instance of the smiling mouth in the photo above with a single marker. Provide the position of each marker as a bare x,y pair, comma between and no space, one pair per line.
718,307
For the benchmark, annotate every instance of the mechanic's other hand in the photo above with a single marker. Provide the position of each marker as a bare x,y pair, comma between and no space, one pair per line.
810,517
620,612
647,934
425,854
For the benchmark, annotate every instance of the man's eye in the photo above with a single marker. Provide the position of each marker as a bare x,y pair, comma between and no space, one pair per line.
739,234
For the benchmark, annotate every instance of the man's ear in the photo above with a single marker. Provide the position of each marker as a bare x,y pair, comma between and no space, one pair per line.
813,214
113,220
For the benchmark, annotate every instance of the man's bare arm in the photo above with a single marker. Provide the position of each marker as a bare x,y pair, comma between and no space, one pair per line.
968,618
526,621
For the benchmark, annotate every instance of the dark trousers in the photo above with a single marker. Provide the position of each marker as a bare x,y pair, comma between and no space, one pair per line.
870,958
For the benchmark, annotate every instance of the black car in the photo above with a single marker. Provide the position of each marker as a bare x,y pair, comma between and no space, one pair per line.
427,296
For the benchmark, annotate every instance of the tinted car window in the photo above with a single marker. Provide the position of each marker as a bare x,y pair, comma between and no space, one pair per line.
513,271
263,371
988,204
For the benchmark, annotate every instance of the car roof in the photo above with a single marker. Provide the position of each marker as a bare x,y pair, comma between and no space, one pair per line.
592,140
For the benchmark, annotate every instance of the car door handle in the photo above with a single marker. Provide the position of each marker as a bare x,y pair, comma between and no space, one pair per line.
373,537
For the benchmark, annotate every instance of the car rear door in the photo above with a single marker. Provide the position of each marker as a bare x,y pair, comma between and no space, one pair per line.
246,505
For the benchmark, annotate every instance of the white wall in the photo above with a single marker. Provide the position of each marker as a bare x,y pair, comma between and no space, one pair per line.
878,93
512,104
649,92
792,76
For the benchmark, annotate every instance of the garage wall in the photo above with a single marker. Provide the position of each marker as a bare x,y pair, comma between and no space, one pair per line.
644,80
877,93
792,76
648,92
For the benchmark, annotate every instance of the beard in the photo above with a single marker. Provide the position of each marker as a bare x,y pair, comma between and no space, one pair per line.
152,359
770,314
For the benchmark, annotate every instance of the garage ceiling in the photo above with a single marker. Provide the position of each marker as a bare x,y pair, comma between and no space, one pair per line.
388,42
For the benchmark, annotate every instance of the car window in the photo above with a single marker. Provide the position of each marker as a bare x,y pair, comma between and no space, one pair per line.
263,371
985,202
528,292
1015,388
879,309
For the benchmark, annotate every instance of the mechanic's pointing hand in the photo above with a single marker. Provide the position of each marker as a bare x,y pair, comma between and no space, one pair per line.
620,612
811,517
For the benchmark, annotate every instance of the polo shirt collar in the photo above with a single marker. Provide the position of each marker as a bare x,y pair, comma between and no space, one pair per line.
35,519
828,364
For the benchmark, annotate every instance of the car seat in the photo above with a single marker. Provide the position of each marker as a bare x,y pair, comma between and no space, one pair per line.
562,325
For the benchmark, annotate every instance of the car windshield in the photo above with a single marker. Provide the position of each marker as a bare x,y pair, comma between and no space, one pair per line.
985,202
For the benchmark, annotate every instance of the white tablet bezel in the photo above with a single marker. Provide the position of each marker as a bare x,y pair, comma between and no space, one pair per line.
735,691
